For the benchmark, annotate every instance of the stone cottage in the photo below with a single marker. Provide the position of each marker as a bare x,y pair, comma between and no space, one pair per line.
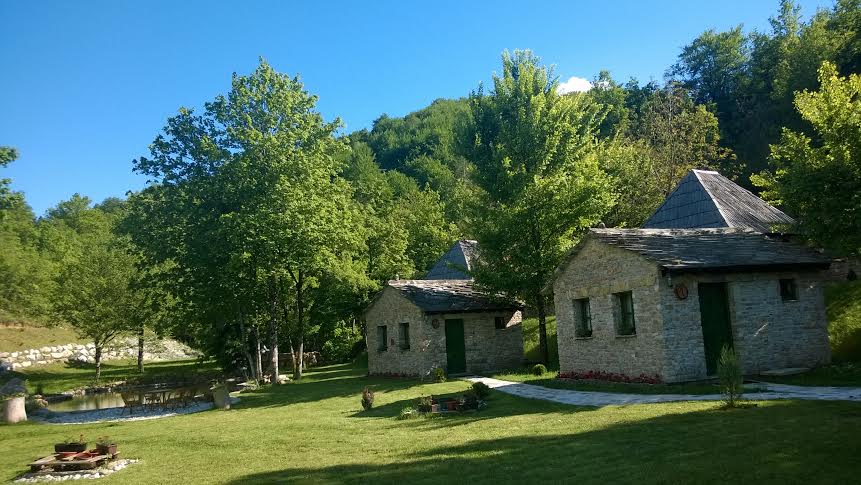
415,326
664,301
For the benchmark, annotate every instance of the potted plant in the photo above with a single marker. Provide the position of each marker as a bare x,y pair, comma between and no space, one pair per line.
105,446
71,445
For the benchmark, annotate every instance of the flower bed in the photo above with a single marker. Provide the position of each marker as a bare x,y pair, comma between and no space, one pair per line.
610,377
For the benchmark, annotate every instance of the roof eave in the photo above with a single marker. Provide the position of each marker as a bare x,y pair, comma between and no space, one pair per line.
747,268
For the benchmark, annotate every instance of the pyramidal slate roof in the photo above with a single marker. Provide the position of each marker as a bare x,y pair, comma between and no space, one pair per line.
450,296
721,249
706,198
450,265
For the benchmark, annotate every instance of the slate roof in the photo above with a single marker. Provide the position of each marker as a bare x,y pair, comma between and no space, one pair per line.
705,198
719,249
451,296
460,255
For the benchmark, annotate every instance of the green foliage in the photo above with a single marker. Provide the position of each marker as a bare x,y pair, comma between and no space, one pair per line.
367,399
408,412
424,404
481,390
538,172
819,180
539,369
843,303
338,348
439,375
730,376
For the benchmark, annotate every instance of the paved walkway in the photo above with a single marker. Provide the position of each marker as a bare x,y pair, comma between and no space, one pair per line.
590,398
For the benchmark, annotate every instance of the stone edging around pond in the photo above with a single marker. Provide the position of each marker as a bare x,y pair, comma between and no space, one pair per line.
122,349
101,472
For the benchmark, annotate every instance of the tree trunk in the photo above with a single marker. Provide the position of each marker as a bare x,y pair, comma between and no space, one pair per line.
273,330
293,355
542,327
258,357
300,326
244,331
98,359
140,350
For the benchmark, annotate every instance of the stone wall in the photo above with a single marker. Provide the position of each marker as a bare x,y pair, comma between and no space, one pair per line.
487,348
768,333
596,272
154,350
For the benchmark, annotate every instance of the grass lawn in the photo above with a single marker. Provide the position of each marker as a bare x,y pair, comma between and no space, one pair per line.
13,339
316,432
839,375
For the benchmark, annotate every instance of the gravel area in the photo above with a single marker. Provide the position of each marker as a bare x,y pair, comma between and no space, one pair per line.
101,472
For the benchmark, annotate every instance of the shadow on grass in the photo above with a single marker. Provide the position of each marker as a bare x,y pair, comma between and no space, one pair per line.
784,442
345,380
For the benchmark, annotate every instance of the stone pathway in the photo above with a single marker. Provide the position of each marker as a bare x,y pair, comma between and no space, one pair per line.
591,398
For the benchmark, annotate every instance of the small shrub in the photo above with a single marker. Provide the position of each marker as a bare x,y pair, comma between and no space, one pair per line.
408,412
730,377
439,375
367,399
424,404
539,370
469,400
481,390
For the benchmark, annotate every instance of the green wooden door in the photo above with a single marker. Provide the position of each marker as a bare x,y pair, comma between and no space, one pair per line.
455,349
714,314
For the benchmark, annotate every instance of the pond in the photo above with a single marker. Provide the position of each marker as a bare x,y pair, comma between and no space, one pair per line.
89,402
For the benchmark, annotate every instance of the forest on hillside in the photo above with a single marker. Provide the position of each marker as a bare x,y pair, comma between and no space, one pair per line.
265,227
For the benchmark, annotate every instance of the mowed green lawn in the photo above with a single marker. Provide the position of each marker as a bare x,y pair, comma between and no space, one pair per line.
316,432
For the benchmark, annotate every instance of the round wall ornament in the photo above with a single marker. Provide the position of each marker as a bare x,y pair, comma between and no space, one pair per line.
435,323
681,291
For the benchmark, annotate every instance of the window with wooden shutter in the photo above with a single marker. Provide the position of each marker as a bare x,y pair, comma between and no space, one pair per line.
382,338
625,323
405,336
582,318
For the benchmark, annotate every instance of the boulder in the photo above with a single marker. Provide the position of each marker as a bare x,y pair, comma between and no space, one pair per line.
12,396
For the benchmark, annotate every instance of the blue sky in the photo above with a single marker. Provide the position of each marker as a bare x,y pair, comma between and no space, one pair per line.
86,86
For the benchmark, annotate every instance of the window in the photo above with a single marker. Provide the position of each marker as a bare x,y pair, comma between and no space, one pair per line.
499,323
382,338
405,336
788,290
582,318
625,314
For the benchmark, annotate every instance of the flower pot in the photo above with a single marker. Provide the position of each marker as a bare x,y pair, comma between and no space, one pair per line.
110,449
70,447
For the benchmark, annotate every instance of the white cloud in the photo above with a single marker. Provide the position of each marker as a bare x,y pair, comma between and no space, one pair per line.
574,84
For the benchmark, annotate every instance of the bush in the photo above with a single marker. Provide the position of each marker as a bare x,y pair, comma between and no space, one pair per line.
730,377
408,412
343,344
469,400
481,390
539,370
424,404
367,399
439,375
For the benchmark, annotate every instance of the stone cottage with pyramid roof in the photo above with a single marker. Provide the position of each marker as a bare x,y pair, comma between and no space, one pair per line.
442,320
713,267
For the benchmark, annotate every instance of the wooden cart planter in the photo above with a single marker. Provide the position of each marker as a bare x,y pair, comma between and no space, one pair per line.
71,461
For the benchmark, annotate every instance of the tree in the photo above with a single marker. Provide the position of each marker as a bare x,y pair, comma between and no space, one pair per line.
818,179
7,197
250,198
94,291
537,168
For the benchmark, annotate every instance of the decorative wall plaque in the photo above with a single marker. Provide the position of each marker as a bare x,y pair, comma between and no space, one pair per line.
681,291
435,323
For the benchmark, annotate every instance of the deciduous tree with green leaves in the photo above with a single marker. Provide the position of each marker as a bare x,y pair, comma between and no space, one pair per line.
818,179
541,184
